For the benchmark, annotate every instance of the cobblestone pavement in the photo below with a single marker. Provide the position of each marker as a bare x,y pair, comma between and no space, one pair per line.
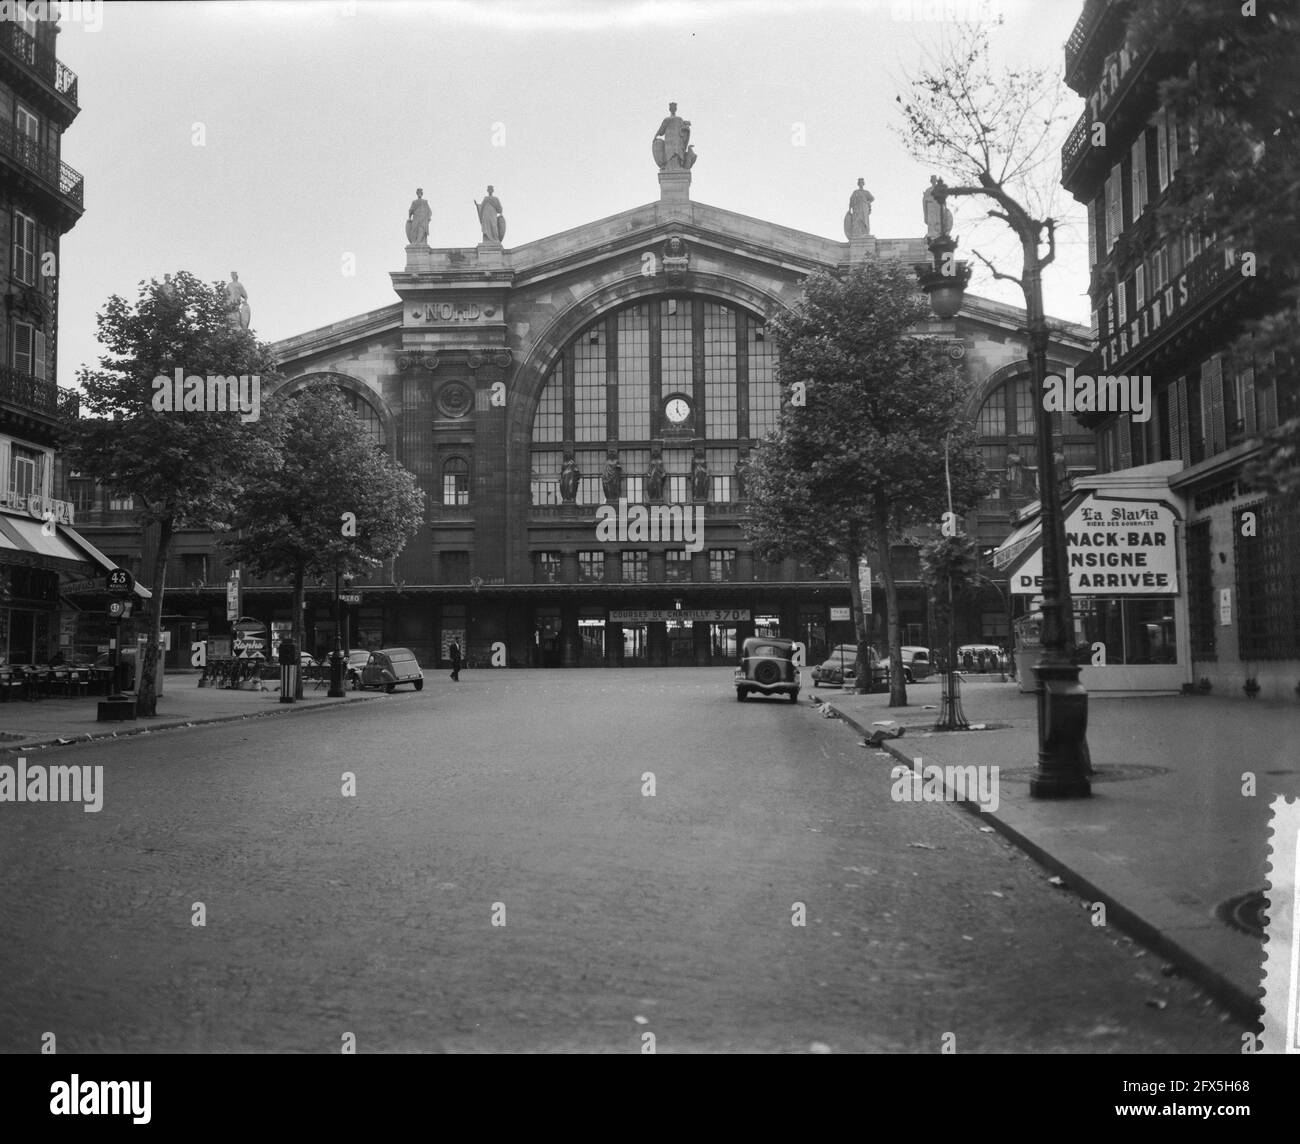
517,797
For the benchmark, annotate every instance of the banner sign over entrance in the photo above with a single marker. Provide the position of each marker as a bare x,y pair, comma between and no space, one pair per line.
1115,547
687,615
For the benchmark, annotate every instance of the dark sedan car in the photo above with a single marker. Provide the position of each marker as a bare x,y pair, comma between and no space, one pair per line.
767,668
389,666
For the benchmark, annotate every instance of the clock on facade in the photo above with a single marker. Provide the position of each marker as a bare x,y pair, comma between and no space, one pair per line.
677,410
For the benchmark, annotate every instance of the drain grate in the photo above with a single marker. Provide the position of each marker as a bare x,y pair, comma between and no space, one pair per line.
1124,772
1246,912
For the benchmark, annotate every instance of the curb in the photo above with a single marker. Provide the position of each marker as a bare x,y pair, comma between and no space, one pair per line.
170,725
1241,1003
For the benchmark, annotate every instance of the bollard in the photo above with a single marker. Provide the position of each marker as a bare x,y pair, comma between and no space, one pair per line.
288,670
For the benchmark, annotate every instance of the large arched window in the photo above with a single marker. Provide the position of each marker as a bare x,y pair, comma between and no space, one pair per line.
346,388
659,374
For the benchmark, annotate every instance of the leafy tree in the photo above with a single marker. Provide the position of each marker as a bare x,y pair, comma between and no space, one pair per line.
326,501
1238,89
949,570
182,469
858,453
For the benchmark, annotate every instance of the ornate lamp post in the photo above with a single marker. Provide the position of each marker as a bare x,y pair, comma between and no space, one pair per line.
1063,760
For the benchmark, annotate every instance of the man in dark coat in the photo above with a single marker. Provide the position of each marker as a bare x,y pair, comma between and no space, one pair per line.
453,654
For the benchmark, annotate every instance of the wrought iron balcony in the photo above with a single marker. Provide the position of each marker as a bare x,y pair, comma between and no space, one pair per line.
37,395
39,59
56,176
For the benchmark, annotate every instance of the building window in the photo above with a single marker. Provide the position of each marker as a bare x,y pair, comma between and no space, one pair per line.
634,373
23,259
82,492
548,422
27,124
24,467
455,567
1268,580
28,350
677,565
675,344
546,476
1201,612
591,567
589,385
719,370
764,392
455,481
546,567
722,565
722,468
194,569
636,567
121,503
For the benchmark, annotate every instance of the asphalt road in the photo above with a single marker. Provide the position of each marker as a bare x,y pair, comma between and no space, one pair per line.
517,796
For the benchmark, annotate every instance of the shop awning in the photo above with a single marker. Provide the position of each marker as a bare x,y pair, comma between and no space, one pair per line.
1017,543
27,535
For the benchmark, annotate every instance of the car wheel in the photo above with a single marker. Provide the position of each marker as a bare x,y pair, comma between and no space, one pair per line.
794,697
907,676
816,684
388,687
419,685
740,695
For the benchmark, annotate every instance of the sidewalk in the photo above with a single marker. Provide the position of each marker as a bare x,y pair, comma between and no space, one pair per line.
183,703
1166,838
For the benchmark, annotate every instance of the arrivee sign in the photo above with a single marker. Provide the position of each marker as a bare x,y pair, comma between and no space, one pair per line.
1115,547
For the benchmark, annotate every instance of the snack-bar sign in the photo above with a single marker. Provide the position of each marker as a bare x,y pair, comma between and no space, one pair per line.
1113,548
663,615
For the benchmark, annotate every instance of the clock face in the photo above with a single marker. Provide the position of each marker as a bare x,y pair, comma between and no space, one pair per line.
677,410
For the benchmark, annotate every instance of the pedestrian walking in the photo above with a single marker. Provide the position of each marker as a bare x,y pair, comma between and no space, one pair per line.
453,654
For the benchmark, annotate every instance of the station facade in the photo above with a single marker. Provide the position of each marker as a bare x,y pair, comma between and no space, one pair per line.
625,363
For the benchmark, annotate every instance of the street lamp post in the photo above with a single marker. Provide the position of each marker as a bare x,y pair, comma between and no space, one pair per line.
1063,759
336,656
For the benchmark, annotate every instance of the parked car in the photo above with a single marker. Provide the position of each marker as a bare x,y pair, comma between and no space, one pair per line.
916,663
357,660
391,666
840,668
767,668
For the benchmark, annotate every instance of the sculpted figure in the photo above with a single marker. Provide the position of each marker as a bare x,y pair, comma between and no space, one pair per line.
740,479
938,218
570,476
611,480
655,476
237,303
671,143
491,221
701,482
1015,469
857,222
417,220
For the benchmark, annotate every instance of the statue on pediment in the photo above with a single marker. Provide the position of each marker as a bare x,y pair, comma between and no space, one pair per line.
671,145
417,220
857,222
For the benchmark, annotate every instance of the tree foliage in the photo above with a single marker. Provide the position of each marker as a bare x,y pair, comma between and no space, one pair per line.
183,469
1238,87
862,457
325,499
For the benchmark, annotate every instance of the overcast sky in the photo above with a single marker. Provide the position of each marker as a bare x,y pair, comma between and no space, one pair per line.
317,121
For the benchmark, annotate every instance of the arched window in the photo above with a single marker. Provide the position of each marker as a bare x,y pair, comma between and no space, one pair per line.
455,481
656,375
366,414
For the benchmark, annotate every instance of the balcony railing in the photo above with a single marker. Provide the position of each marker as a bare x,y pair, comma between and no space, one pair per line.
37,395
43,163
26,49
1083,28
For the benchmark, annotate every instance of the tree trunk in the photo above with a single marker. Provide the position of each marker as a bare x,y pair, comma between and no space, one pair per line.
859,620
147,687
897,684
299,591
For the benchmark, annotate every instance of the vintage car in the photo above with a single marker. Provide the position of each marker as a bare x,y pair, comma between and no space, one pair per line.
916,663
357,660
767,668
839,669
389,666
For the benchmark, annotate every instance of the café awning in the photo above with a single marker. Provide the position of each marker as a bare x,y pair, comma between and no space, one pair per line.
23,534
